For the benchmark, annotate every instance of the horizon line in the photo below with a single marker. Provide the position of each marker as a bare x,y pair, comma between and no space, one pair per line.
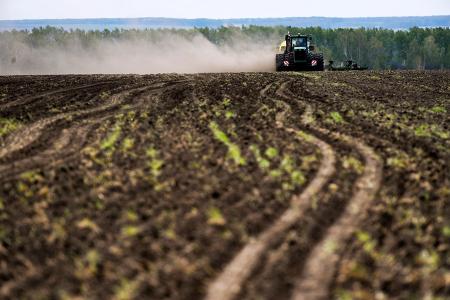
218,19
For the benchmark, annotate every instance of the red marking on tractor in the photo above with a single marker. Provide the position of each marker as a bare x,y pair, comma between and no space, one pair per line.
286,63
314,63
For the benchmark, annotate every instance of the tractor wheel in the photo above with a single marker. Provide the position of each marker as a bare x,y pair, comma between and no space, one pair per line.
318,64
279,62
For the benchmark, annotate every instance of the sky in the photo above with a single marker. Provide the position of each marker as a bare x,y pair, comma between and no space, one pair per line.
61,9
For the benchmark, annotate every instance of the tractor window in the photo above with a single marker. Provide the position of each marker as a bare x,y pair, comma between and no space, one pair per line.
299,42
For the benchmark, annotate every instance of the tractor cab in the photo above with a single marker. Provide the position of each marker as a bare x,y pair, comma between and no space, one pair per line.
300,42
300,46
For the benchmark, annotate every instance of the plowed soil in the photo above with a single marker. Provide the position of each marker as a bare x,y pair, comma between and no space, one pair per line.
225,186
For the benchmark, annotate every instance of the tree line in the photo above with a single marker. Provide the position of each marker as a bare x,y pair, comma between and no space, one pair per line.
416,48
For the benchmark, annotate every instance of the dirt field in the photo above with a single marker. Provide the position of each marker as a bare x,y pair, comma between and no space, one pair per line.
225,186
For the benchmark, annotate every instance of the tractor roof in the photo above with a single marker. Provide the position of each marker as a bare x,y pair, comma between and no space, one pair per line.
300,35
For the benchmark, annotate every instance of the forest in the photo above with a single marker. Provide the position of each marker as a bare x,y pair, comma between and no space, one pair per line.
378,49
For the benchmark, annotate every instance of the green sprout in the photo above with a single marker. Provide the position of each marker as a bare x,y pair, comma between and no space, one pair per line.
263,163
126,290
8,126
215,217
109,142
271,152
155,164
336,117
438,109
129,231
233,150
127,144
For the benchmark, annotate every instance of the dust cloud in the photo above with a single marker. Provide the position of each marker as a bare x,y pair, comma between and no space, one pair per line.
167,54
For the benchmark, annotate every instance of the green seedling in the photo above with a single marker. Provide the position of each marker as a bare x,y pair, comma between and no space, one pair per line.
263,163
233,150
271,152
438,110
264,110
170,234
350,113
366,240
336,117
130,231
275,173
144,115
131,216
226,102
217,111
131,115
109,142
439,132
343,295
399,161
229,115
24,189
87,223
58,231
87,266
304,136
429,259
155,164
297,177
390,119
426,130
215,217
446,231
104,95
8,125
31,176
369,114
55,110
349,162
307,161
422,131
287,164
126,290
127,144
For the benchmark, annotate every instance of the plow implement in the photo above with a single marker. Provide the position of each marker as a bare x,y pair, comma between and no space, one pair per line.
348,65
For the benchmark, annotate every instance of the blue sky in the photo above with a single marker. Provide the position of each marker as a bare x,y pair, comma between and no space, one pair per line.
58,9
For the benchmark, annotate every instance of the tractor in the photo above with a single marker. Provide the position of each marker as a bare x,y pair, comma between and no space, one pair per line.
297,54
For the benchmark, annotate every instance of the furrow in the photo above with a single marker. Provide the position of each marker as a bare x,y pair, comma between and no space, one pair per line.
229,283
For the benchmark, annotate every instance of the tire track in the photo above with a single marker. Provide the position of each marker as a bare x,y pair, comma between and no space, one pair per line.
29,135
66,146
320,267
26,100
229,283
69,141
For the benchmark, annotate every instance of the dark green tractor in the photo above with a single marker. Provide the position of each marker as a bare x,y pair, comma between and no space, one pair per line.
297,54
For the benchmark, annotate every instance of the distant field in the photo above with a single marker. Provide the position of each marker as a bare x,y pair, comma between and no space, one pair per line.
225,186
